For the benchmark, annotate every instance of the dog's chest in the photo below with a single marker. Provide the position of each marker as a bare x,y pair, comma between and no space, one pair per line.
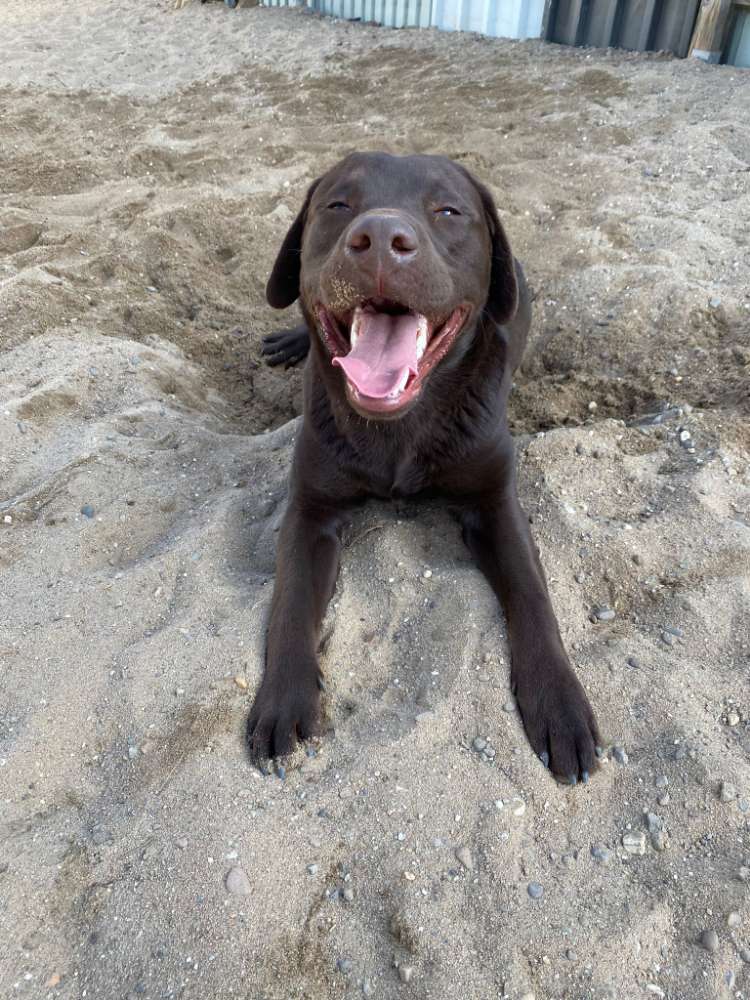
389,474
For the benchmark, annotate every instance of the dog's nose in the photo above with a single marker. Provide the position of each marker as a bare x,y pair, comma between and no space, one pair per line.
380,235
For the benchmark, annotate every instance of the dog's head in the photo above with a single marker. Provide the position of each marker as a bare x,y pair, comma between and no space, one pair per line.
394,258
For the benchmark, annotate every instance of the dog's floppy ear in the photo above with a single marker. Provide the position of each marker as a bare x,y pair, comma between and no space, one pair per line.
283,285
502,298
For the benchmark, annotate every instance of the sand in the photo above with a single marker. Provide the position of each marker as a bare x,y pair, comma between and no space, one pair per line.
151,162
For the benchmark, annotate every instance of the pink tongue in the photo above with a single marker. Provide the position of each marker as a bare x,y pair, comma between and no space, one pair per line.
386,348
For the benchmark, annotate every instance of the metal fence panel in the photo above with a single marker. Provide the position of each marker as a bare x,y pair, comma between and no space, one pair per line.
738,50
645,25
499,18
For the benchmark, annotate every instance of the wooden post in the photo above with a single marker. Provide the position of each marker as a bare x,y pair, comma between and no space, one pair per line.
711,28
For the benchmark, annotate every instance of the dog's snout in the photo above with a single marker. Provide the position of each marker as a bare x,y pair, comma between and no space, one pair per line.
381,235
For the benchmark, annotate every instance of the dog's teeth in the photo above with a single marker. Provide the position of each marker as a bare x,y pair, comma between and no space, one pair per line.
423,335
354,328
399,388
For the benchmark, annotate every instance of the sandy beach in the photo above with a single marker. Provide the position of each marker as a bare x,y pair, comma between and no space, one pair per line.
151,160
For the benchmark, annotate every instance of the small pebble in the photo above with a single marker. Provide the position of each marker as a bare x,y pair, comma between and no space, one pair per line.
727,792
535,890
133,752
709,940
344,966
654,822
662,781
237,882
463,854
517,806
667,638
734,919
87,510
634,843
733,719
368,989
745,954
604,613
509,706
427,574
241,682
571,955
619,755
659,840
600,853
664,799
479,744
182,843
405,973
348,894
312,869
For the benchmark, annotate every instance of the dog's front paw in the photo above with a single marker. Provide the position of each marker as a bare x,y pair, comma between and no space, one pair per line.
558,719
285,709
286,347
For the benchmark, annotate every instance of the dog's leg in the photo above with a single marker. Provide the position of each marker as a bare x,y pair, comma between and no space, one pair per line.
287,347
559,721
287,703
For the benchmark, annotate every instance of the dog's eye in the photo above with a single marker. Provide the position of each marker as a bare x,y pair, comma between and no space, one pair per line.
447,210
338,205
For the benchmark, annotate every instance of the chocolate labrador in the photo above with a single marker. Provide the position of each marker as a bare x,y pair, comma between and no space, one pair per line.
416,315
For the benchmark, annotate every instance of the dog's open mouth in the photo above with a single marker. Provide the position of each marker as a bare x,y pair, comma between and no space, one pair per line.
386,351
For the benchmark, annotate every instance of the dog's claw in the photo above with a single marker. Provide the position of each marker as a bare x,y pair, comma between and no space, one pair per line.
585,777
599,752
544,758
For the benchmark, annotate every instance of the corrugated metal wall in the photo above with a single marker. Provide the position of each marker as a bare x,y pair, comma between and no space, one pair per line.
646,25
499,18
738,50
629,24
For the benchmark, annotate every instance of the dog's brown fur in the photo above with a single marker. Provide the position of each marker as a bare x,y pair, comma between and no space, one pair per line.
453,440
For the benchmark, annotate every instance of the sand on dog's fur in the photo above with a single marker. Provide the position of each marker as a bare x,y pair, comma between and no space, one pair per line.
152,161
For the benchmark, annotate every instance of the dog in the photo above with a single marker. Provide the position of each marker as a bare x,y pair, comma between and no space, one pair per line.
416,316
